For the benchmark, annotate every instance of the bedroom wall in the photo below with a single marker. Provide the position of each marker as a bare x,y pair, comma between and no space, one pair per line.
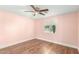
14,29
66,29
78,30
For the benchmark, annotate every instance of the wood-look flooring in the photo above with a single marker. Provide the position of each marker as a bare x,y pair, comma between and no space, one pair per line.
37,46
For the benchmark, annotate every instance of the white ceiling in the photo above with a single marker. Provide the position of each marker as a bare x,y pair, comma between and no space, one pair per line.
53,10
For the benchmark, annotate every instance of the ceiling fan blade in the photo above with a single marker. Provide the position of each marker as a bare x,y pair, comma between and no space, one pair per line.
41,13
43,10
33,7
28,11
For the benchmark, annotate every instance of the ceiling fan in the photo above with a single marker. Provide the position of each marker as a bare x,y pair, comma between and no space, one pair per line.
37,10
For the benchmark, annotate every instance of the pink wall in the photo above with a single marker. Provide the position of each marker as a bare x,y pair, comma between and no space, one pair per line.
14,29
78,31
66,29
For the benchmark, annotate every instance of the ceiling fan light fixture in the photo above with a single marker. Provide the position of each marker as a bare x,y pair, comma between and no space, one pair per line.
36,13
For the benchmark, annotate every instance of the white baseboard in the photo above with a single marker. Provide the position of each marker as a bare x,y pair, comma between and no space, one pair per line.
40,39
14,43
73,46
